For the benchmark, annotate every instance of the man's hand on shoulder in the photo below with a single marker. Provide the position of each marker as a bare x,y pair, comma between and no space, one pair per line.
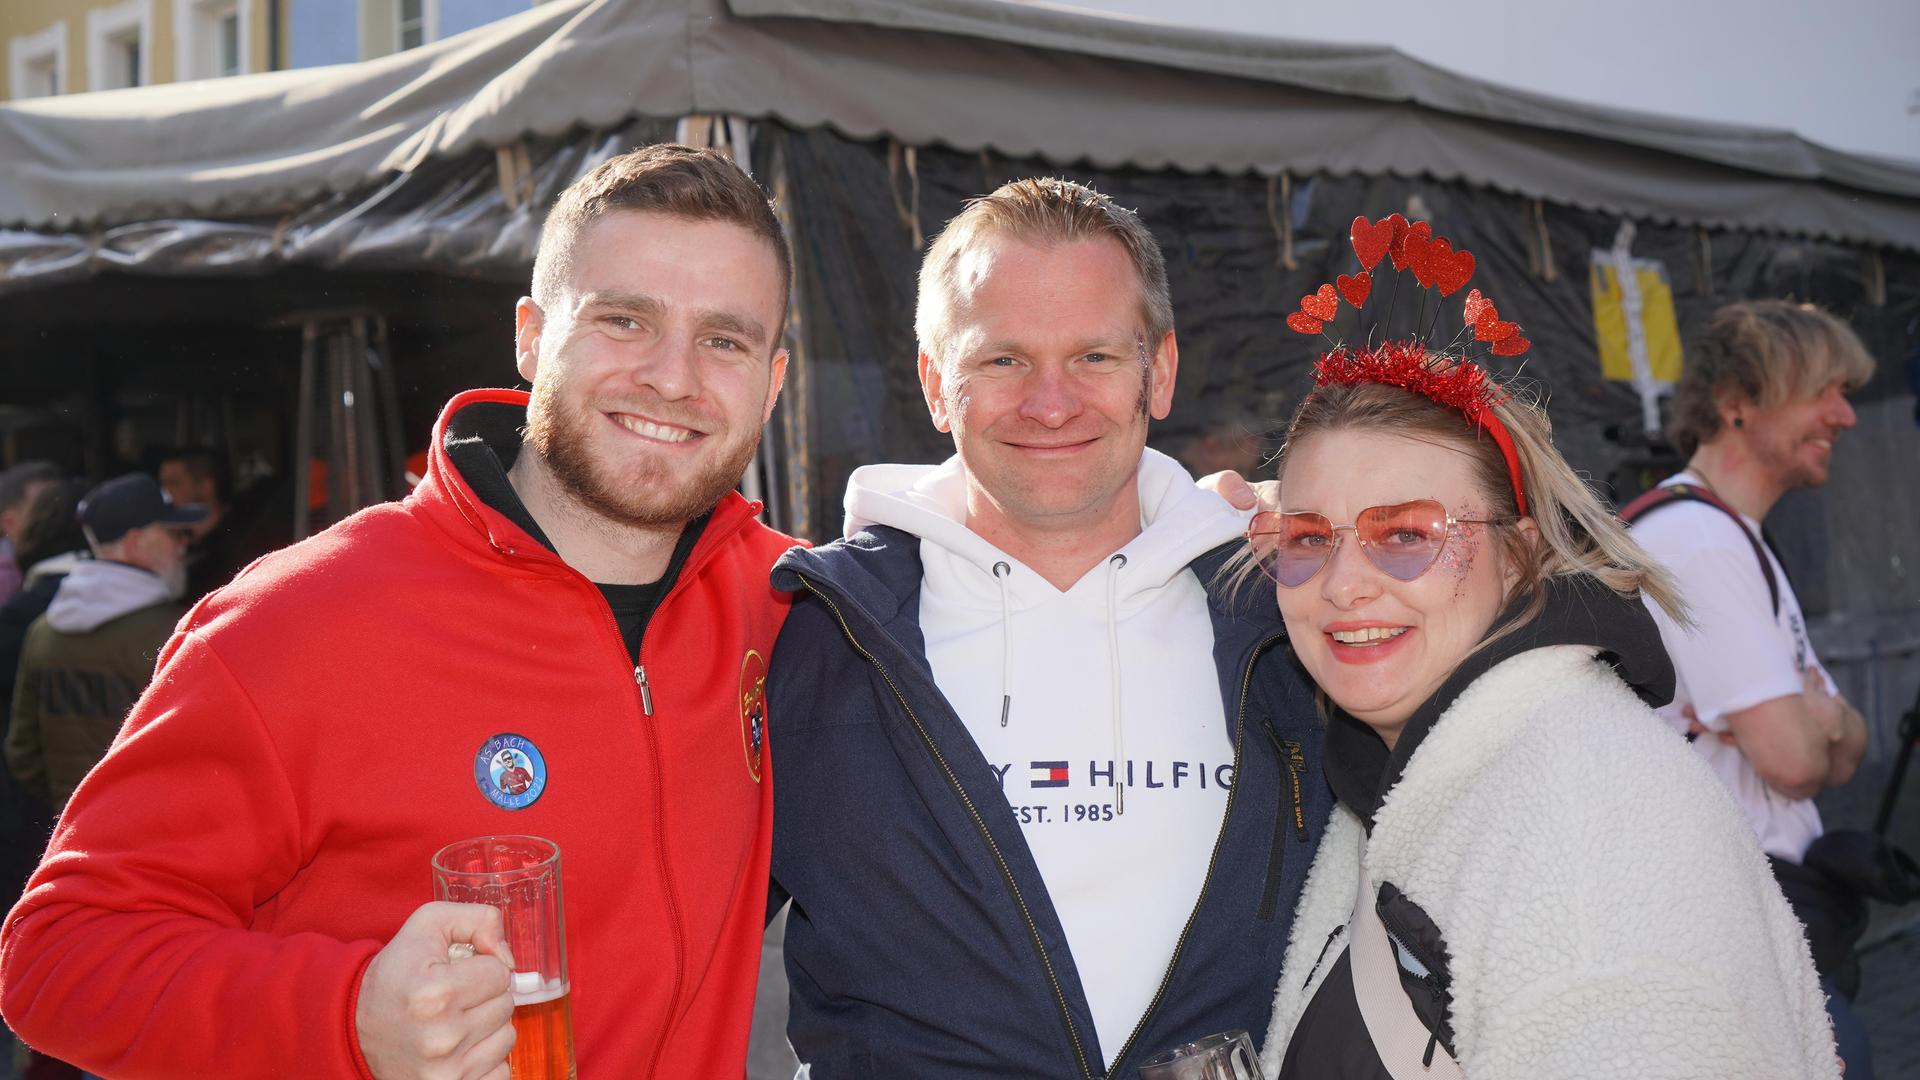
423,1015
1230,486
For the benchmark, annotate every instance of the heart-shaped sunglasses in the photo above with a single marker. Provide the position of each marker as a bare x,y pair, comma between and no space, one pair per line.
1403,540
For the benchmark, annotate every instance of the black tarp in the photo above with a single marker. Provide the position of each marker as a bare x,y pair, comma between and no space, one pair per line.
861,212
857,212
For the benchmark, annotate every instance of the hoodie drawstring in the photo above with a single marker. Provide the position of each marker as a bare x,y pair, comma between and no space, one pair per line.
1001,572
1114,565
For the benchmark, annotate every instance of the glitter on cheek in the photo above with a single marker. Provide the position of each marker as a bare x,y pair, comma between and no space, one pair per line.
1457,557
1146,373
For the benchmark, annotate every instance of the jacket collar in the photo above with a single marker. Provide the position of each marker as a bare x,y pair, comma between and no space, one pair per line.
448,497
1578,611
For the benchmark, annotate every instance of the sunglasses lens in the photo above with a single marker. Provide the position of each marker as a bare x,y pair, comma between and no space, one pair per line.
1403,540
1291,548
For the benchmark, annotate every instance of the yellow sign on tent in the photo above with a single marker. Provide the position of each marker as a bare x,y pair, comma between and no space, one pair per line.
1658,326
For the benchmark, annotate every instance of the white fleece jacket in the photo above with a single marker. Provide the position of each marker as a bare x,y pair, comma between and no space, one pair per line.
1099,708
1605,907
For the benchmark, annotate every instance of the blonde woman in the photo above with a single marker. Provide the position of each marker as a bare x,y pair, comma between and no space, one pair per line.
1527,874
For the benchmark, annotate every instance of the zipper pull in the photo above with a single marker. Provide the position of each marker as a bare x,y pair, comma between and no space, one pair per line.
1294,757
646,692
1296,764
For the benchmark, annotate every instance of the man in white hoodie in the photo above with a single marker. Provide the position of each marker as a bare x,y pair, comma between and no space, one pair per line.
1066,828
88,658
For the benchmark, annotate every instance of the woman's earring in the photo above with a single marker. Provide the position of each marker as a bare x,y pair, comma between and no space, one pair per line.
1739,422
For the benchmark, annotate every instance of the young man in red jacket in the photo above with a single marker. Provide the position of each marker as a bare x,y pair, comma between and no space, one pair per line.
237,889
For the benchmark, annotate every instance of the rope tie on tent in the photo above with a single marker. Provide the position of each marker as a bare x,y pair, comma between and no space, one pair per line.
909,210
507,171
1547,272
280,235
1279,194
1876,279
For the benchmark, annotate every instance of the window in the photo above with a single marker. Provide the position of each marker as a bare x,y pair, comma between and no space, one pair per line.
391,26
126,60
37,63
210,38
120,45
413,23
230,43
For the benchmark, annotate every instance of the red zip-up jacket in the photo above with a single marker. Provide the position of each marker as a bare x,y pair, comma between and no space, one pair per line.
264,822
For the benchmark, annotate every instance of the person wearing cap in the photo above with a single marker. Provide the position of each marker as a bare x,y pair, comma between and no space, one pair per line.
89,657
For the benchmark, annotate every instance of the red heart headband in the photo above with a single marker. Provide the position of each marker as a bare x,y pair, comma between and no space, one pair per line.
1453,381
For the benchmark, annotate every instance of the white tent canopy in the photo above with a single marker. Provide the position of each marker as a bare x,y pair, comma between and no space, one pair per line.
1023,80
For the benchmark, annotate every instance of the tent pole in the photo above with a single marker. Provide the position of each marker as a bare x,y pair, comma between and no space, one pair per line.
389,401
303,436
340,448
365,414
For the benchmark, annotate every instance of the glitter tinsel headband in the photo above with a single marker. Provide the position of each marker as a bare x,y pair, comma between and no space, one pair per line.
1453,381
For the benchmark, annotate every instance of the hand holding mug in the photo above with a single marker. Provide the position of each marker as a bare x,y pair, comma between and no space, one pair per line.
425,1016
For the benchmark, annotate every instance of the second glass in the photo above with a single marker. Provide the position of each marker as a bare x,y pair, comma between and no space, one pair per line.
1226,1056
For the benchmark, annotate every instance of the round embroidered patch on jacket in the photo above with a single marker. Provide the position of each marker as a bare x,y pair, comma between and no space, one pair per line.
510,772
753,709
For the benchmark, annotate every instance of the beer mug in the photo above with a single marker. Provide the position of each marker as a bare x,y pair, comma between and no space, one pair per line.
1226,1056
520,875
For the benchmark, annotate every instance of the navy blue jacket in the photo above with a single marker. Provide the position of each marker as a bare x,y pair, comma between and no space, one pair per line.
921,941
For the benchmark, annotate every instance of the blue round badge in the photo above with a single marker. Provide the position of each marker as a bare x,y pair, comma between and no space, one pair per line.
510,772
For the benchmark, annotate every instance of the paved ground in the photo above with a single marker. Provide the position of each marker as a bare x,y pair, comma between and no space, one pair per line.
1889,1003
768,1058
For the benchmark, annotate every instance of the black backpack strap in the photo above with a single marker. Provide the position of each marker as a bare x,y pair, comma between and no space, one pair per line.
1678,493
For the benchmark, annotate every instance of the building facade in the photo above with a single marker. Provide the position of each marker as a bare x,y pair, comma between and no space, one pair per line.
71,46
342,31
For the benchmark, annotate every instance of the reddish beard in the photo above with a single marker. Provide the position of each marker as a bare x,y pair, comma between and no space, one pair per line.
654,498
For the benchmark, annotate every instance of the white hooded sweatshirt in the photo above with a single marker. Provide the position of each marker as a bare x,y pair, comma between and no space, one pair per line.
97,591
1098,707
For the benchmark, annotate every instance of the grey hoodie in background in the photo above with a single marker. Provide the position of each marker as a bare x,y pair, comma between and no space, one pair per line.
85,662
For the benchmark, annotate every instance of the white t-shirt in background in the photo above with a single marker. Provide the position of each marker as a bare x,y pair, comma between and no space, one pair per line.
1738,654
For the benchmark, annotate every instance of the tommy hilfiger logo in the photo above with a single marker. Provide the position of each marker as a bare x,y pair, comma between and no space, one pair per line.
1049,774
1098,773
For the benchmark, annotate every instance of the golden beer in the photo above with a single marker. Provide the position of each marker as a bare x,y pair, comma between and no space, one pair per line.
520,875
543,1035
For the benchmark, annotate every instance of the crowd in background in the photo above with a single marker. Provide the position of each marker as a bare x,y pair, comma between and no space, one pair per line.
93,579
